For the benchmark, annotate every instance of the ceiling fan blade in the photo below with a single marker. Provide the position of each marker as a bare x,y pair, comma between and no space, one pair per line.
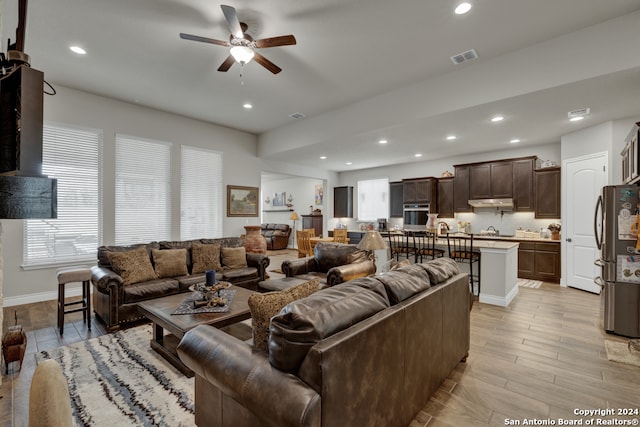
266,63
226,64
276,41
232,20
203,39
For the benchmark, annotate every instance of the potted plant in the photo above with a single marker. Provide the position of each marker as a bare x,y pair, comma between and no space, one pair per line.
555,231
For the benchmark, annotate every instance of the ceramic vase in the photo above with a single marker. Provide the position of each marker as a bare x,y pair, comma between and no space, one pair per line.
254,241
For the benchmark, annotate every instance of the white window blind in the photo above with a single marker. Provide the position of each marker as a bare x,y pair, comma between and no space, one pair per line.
143,190
373,199
72,156
201,193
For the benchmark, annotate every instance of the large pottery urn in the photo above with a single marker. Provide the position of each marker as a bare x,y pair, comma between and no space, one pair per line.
254,241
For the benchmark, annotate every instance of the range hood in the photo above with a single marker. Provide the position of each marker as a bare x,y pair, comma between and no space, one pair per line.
492,203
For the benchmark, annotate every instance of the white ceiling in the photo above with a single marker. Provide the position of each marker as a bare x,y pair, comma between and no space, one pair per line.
362,69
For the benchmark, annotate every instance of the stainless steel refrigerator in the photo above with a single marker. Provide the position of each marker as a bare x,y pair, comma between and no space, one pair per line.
616,223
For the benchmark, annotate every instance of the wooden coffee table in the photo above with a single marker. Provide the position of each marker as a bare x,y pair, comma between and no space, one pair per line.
160,310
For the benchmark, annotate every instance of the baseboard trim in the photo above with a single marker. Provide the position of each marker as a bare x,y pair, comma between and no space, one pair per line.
498,300
40,297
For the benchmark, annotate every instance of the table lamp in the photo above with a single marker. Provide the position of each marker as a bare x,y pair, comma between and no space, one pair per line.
294,216
372,241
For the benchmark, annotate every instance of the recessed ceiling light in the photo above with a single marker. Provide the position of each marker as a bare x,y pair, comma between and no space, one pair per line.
417,155
576,119
323,157
463,8
382,141
514,141
348,163
78,50
497,119
451,137
247,106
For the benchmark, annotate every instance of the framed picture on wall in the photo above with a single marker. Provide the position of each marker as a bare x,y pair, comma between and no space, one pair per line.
242,201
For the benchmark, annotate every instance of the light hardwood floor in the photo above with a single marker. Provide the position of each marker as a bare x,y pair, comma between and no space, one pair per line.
542,357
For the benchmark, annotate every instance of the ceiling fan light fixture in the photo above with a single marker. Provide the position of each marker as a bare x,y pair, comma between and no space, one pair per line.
242,54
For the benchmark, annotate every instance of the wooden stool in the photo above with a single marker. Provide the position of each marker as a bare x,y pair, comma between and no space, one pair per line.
71,275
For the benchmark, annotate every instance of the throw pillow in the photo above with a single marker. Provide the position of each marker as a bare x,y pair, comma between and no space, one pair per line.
170,262
205,257
264,306
234,257
133,266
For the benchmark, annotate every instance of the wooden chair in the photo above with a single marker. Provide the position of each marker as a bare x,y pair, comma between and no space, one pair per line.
311,231
340,235
424,243
461,250
399,245
304,244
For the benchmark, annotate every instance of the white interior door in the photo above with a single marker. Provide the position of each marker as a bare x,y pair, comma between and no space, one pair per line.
583,178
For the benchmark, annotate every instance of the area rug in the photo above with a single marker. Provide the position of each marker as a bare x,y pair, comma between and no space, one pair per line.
618,351
525,283
118,380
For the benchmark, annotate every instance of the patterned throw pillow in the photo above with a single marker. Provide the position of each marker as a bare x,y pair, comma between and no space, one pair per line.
264,306
133,266
233,258
170,262
205,257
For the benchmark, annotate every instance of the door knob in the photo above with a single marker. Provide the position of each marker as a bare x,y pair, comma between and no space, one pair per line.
568,239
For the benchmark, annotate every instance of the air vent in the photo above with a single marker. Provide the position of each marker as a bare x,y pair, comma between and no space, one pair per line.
464,56
297,116
579,113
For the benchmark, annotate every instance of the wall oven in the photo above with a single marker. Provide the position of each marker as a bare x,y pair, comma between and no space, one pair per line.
415,216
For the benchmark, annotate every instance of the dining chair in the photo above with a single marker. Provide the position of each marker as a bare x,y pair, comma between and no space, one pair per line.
460,247
312,231
340,235
425,246
399,245
304,244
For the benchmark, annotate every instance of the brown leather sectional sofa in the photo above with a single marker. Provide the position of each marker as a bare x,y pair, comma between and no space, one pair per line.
276,235
116,303
332,263
368,352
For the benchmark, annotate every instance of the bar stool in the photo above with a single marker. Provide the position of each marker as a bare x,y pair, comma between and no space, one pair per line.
72,275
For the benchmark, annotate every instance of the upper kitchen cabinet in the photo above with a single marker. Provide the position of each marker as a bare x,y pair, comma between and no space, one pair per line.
523,200
445,197
461,189
546,184
492,180
343,202
420,190
395,199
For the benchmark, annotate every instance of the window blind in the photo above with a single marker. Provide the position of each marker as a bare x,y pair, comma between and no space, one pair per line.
201,193
142,190
373,199
72,156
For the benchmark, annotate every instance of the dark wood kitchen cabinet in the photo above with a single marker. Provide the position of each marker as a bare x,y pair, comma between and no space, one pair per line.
343,202
461,189
539,261
420,190
313,221
492,180
480,181
523,200
445,197
395,199
546,183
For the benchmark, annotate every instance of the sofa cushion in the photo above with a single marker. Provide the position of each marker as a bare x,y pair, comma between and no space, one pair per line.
303,323
133,266
404,282
329,255
240,274
264,306
150,290
440,269
205,257
170,262
233,258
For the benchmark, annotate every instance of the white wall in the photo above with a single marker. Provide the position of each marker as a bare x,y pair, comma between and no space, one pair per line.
241,167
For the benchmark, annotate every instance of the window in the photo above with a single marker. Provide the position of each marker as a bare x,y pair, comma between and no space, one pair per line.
143,190
72,156
201,194
373,199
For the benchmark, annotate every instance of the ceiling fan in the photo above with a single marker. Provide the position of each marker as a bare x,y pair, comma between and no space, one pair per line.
242,45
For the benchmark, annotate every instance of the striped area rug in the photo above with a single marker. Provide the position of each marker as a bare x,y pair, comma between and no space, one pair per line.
118,380
526,283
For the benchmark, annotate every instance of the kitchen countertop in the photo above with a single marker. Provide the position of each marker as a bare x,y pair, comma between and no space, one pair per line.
478,237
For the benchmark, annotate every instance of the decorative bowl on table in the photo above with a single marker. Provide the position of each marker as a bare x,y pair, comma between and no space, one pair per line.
209,294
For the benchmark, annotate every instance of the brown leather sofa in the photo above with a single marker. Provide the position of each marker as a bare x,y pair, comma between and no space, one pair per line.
276,235
332,263
116,303
369,352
